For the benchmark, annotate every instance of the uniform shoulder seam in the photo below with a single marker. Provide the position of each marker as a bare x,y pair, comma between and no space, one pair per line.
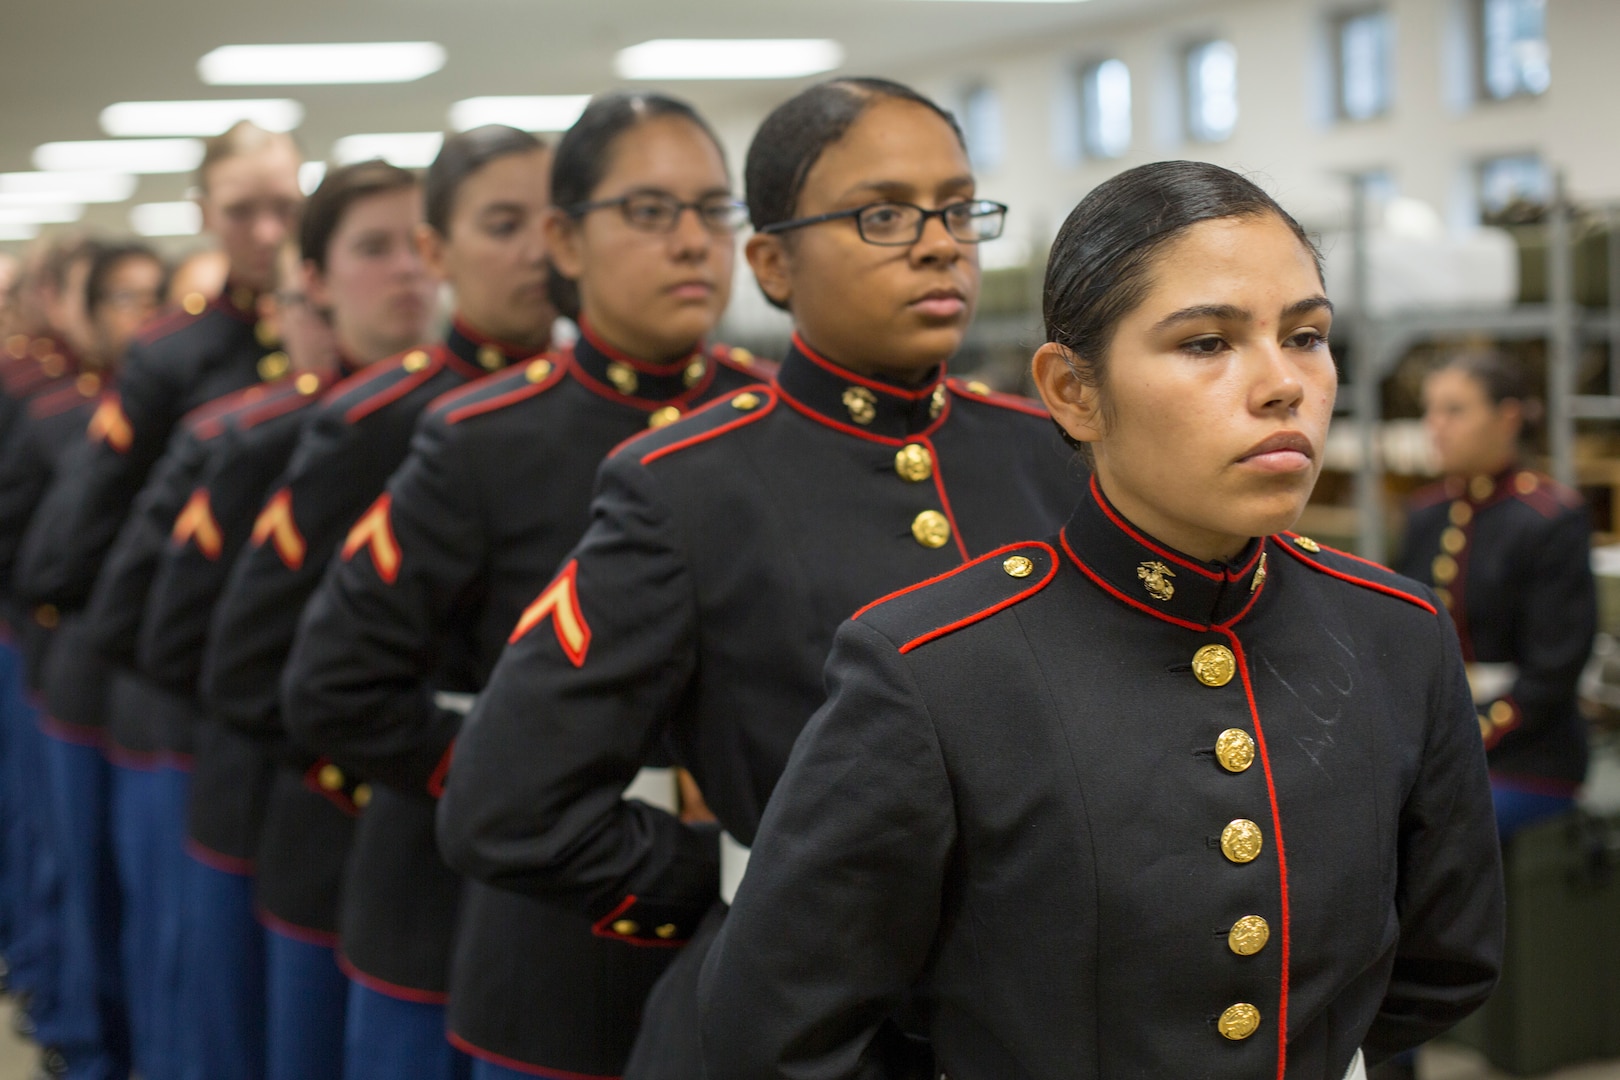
746,405
383,382
987,396
1007,555
518,383
1352,569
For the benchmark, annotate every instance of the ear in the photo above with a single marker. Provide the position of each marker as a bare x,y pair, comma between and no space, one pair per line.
564,245
768,258
210,215
1075,406
315,290
431,245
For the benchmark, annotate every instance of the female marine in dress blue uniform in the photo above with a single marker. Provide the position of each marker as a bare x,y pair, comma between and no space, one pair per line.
250,200
484,197
725,549
1508,551
1172,793
496,491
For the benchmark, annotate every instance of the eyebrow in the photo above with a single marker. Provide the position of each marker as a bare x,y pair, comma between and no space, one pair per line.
1232,313
899,188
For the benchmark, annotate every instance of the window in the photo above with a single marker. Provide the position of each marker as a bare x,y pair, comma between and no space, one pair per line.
1366,49
1508,183
1105,103
981,127
1513,48
1212,104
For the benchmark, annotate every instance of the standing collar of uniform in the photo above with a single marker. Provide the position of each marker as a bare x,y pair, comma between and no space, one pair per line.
856,404
239,301
1485,488
621,377
481,352
1155,578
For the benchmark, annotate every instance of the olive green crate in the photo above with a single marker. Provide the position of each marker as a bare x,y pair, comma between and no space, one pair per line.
1559,999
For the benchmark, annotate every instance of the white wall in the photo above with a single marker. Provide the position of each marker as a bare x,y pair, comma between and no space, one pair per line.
1285,137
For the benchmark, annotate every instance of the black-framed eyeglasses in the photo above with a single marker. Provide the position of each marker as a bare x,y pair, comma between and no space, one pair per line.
901,224
660,212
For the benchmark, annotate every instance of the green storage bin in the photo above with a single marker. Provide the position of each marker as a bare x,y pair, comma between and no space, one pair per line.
1559,999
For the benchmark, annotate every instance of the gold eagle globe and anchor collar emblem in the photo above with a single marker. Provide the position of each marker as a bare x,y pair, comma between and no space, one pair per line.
1155,579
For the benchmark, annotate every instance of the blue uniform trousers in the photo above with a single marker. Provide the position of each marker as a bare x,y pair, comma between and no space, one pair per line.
222,990
307,995
389,1038
91,1027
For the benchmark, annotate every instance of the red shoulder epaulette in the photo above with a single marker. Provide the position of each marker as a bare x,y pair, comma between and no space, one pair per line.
988,584
207,420
743,361
53,401
1543,494
1352,568
974,390
168,322
385,381
716,418
502,390
1430,495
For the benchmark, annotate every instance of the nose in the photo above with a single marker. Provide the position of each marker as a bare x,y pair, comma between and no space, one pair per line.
1277,385
936,244
268,228
690,238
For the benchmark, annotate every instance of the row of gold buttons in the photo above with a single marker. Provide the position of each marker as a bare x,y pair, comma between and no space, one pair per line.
1241,840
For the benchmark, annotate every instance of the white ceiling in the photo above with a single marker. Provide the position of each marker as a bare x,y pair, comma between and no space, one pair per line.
63,61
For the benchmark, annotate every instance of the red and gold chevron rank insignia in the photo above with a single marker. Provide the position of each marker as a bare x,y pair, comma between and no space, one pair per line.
560,604
275,524
375,533
111,426
196,524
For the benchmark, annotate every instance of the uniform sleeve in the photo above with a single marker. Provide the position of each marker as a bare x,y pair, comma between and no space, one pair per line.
76,533
1553,637
594,672
294,536
25,473
192,571
839,908
1449,895
119,598
356,686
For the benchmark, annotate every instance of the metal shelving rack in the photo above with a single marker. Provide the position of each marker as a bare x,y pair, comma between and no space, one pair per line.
1379,344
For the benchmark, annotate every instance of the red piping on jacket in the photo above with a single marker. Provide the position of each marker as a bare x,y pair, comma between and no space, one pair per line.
461,1043
218,860
388,989
324,939
749,417
969,620
847,375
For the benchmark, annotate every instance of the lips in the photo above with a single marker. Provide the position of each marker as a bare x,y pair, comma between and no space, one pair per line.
691,290
1286,451
940,303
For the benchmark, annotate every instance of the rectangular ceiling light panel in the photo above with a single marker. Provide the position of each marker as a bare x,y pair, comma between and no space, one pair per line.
134,118
56,214
166,219
320,65
695,58
121,155
547,112
407,149
66,187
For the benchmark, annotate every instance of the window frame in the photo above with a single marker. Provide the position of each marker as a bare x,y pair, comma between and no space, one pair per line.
1483,91
1085,85
1191,94
1338,23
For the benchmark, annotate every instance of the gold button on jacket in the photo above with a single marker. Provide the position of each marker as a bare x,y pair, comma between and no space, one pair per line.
913,463
1239,1021
931,529
1214,665
1241,841
1234,749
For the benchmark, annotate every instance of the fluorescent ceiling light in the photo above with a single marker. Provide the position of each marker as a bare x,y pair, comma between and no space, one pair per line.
121,155
289,65
18,232
780,58
128,118
56,214
166,219
549,112
407,149
310,175
66,187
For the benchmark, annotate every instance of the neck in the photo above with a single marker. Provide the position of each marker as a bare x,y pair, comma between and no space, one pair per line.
1202,544
362,352
616,340
874,369
1490,465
